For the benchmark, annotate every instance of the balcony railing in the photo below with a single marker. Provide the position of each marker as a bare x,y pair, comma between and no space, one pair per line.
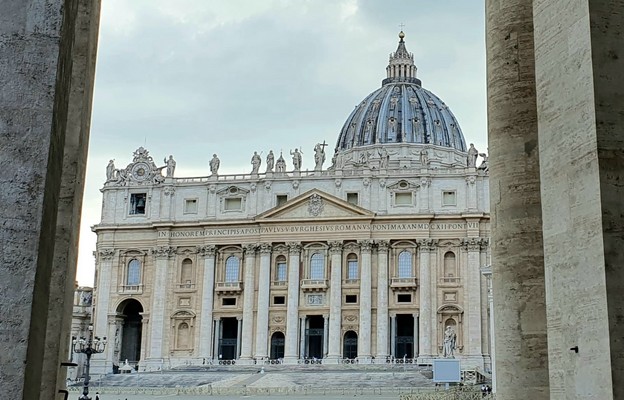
279,283
131,288
185,286
351,282
404,283
229,287
314,284
450,280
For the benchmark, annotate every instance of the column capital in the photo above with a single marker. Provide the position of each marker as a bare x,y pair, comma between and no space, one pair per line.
208,250
474,243
382,245
250,248
163,251
471,180
265,248
294,248
106,254
365,245
428,244
335,247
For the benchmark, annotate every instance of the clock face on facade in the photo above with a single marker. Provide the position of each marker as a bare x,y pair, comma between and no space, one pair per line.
140,171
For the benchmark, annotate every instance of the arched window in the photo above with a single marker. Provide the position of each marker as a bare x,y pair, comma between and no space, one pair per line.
231,269
405,264
317,266
184,336
450,267
186,272
352,266
133,276
280,269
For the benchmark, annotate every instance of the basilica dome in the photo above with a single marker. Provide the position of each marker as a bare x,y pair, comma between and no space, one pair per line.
401,111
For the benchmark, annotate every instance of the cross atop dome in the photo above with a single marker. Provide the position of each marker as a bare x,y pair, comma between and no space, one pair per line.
401,66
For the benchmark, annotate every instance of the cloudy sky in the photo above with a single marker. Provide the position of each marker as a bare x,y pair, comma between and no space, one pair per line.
195,77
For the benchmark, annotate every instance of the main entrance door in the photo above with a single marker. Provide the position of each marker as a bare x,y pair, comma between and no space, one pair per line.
404,336
314,336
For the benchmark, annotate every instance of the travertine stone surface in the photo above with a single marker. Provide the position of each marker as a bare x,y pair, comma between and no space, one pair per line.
44,113
579,54
517,254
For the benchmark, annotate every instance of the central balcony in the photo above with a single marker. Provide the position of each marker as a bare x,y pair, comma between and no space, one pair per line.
313,285
410,283
229,287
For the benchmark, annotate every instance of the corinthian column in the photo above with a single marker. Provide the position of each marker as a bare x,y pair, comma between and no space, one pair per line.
292,313
159,297
382,299
335,300
248,302
205,328
262,315
364,338
426,313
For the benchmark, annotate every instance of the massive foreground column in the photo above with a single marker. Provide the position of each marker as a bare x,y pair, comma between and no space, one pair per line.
579,59
47,50
517,255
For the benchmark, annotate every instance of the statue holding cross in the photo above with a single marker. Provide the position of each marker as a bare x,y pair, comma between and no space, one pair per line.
319,156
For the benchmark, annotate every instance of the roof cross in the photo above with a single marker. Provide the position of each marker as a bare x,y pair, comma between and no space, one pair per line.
401,25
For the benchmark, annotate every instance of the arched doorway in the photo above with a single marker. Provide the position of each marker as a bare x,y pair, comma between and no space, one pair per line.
350,345
130,310
277,346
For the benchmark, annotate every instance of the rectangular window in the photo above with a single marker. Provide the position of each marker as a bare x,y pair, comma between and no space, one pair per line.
403,199
351,299
229,301
352,270
404,298
233,204
137,203
449,198
281,271
279,300
190,206
281,199
352,198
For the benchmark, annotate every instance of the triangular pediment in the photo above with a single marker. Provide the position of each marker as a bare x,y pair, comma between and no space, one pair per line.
315,204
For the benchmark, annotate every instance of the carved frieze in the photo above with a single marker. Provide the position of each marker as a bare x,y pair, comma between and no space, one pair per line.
315,205
169,191
141,171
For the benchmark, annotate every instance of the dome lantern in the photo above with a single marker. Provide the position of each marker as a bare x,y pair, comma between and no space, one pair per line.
401,66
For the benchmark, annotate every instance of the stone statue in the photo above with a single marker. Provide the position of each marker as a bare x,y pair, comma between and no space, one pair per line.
110,170
472,156
319,156
296,157
255,162
384,158
280,166
484,164
424,158
450,343
214,164
270,160
171,164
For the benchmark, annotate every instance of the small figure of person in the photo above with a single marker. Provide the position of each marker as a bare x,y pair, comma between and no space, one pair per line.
296,158
424,158
171,164
450,341
270,160
214,164
472,156
110,170
319,156
255,162
384,158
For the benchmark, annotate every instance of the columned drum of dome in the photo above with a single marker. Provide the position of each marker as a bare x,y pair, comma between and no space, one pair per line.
401,111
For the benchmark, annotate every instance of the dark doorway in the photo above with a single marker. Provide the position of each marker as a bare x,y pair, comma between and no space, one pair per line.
350,345
314,336
131,332
277,346
404,336
229,339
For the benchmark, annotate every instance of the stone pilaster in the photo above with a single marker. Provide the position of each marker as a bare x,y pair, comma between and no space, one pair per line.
105,266
248,302
516,220
471,191
393,329
416,335
262,315
364,337
335,301
382,299
162,254
217,337
207,299
472,293
427,340
292,307
302,329
325,335
425,194
239,336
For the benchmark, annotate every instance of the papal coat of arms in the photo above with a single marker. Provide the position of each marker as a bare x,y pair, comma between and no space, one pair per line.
315,205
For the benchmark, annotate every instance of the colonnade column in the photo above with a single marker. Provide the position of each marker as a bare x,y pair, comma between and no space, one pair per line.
473,300
335,300
262,315
515,195
424,284
364,337
157,325
382,299
249,290
205,327
292,313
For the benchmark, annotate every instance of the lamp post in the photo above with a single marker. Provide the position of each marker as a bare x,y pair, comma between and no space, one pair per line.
88,346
